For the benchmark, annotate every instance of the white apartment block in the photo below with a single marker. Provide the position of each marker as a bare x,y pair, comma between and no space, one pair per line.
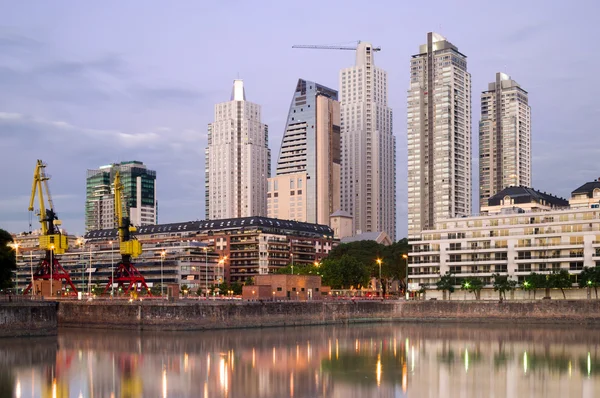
513,243
439,135
238,160
368,146
504,138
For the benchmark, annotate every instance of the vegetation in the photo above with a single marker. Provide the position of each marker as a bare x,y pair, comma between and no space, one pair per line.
473,285
590,278
445,284
8,260
366,253
535,281
503,284
559,280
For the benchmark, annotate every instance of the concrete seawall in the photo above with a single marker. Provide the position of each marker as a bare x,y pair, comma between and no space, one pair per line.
28,319
199,316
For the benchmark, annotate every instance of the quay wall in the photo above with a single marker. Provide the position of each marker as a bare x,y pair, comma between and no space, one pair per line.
28,319
228,315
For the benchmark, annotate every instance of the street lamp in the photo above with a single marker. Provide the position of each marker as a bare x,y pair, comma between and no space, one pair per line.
51,267
112,271
405,257
80,243
292,256
206,271
379,261
15,246
162,256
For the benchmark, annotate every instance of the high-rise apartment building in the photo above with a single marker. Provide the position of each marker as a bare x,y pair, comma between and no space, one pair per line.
139,185
368,146
504,138
238,159
307,185
439,135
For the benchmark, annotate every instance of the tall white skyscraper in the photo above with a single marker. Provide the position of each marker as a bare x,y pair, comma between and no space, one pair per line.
504,138
238,160
439,135
368,146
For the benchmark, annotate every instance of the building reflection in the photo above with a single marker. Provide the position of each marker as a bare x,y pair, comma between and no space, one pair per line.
387,360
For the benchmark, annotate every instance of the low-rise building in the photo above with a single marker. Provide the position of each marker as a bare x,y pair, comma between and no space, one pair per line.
513,243
198,254
284,287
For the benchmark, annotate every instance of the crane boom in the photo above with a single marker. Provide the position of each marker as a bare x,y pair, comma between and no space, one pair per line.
332,47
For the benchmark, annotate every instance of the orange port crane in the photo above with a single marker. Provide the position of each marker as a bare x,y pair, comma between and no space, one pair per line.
51,239
127,277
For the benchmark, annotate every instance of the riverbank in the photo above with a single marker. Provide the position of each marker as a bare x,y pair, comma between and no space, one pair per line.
21,319
233,315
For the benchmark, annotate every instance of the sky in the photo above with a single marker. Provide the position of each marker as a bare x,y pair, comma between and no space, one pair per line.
85,84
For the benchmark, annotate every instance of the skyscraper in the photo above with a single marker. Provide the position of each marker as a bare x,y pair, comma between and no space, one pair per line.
307,185
439,135
238,160
139,185
504,138
368,146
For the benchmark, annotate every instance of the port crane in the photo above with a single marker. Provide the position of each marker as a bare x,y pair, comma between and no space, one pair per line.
51,239
127,277
333,47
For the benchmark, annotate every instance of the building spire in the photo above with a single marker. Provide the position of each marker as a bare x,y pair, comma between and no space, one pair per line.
238,93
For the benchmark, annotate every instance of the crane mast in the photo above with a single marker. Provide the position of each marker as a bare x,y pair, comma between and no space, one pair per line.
332,47
51,240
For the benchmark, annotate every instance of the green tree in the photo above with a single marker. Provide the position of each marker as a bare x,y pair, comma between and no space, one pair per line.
445,284
590,277
560,280
503,284
299,269
393,265
535,281
237,288
8,260
363,251
185,289
472,285
344,273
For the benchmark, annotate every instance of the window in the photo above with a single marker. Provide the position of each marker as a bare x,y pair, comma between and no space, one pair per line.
279,289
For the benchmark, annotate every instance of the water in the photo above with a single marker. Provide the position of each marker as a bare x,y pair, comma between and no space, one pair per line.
372,360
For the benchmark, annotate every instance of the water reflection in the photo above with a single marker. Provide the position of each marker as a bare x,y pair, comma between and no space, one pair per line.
387,360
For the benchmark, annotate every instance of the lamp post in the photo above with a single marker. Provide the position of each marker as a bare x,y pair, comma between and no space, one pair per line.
16,247
81,243
112,271
31,268
51,267
379,261
405,257
206,271
292,256
162,256
90,273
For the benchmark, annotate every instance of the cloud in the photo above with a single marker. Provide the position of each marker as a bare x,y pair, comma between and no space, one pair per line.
525,33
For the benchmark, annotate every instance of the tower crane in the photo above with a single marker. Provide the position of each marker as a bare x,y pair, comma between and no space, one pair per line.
51,239
127,276
333,47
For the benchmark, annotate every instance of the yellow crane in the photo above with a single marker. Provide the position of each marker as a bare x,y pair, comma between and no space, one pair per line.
51,239
127,277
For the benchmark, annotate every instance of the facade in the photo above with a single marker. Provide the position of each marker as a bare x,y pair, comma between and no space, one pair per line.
504,138
439,135
197,253
139,185
368,146
238,160
285,287
513,243
307,185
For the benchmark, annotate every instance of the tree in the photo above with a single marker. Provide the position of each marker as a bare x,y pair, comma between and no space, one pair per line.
185,289
393,265
473,285
590,277
445,284
8,260
535,281
503,284
344,273
237,288
560,280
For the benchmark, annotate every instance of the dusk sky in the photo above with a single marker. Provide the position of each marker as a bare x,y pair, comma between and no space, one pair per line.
85,84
